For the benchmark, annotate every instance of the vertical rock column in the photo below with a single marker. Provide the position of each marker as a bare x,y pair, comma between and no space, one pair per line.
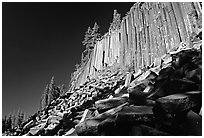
148,31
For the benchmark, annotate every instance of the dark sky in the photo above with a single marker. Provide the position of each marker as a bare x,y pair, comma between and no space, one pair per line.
41,40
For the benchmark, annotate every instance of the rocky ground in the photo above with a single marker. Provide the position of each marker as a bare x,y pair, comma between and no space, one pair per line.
163,99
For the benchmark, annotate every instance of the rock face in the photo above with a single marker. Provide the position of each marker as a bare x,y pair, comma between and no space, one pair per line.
148,31
159,95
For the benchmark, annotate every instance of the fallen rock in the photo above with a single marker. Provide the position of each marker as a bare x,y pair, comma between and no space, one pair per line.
35,130
136,113
71,132
128,79
52,129
136,96
54,119
90,126
87,114
103,105
178,102
194,123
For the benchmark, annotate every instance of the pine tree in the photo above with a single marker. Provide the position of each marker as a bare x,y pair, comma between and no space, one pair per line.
95,34
91,36
115,25
9,123
14,120
20,118
87,38
62,89
53,91
4,124
45,100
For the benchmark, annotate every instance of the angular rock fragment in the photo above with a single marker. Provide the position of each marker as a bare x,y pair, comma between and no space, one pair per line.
136,113
156,70
128,79
90,126
120,90
88,114
106,104
138,73
146,76
178,102
194,123
137,96
28,124
54,119
35,130
71,132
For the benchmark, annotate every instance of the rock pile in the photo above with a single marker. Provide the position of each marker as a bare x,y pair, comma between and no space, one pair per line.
163,99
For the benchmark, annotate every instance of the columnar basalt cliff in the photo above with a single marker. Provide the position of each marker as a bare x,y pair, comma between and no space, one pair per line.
148,31
143,79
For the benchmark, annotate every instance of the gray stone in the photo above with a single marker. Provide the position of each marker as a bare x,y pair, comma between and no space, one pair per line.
88,127
106,104
194,123
178,102
136,113
36,129
71,132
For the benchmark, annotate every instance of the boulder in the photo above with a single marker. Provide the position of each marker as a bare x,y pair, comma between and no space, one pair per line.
54,119
194,123
35,130
179,102
103,105
135,114
88,114
88,127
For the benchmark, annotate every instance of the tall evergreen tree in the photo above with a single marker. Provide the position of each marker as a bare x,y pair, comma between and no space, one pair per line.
4,124
50,93
14,120
115,25
9,123
53,91
20,118
91,36
45,100
95,34
62,89
87,38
